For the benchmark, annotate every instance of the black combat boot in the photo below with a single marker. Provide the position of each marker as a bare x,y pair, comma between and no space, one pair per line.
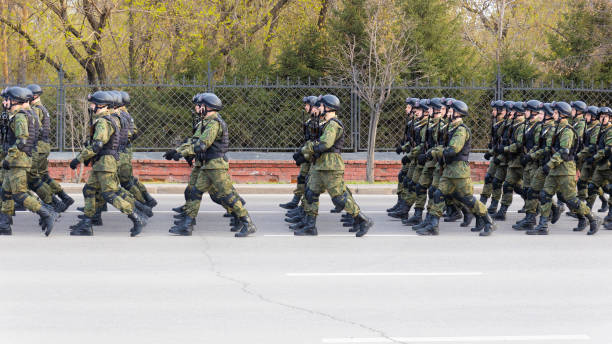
423,223
349,223
227,214
431,228
364,224
149,200
96,220
394,208
179,210
297,226
479,225
608,217
291,204
527,223
294,212
185,228
467,217
416,218
57,204
294,219
137,222
5,224
309,229
48,217
401,211
144,209
604,204
541,228
594,223
571,214
501,213
582,223
248,227
235,224
522,210
483,199
492,209
488,226
67,200
555,212
453,215
83,228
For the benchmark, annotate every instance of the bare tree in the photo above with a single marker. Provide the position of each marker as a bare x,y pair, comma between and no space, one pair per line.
373,69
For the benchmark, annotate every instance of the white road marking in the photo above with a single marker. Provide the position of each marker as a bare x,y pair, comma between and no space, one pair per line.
470,339
342,235
381,274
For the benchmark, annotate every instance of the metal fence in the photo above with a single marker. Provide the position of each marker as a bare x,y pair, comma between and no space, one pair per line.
265,115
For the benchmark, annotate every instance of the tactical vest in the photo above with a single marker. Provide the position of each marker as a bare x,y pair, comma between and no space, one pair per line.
338,145
124,132
431,142
111,147
464,154
587,135
574,146
601,142
221,145
417,132
529,139
32,140
45,130
543,135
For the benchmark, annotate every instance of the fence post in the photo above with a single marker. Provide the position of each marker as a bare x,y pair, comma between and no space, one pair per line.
61,107
355,117
209,86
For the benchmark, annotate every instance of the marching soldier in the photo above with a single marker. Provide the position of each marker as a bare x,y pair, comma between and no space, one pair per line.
327,171
19,135
500,159
498,111
102,151
560,170
455,181
209,148
602,176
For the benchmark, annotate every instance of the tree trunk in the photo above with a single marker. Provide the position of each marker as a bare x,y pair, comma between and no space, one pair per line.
131,48
370,163
23,56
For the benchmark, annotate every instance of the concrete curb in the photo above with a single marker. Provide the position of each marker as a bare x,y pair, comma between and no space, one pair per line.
272,189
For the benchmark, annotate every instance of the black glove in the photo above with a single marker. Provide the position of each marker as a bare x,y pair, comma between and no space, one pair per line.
499,149
449,153
189,160
398,149
592,149
496,161
405,160
6,165
546,169
177,156
525,159
74,163
169,155
299,158
422,159
406,182
590,160
487,156
429,156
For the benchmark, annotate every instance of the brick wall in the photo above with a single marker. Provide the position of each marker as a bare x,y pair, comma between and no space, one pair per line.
249,171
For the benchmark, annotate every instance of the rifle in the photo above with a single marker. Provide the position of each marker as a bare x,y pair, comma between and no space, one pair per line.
426,141
194,122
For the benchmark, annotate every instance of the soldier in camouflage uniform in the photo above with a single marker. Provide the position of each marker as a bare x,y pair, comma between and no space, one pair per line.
327,171
560,171
455,181
602,177
102,151
20,143
501,160
40,165
534,111
498,112
210,147
308,128
511,148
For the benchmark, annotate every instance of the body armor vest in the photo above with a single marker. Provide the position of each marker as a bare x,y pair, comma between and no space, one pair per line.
601,142
124,132
32,139
543,135
574,146
417,132
464,154
221,145
587,135
529,139
111,147
338,145
45,130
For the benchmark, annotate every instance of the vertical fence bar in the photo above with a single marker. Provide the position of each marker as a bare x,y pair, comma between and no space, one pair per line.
61,110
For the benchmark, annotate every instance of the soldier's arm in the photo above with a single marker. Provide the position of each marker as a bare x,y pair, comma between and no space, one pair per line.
325,142
102,134
565,144
21,132
518,144
456,143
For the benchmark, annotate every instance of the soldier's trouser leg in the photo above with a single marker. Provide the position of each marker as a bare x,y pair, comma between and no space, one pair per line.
487,189
600,179
301,179
586,173
221,183
15,184
412,189
333,183
536,184
406,190
107,185
498,181
564,186
35,178
126,179
435,181
512,184
462,190
422,186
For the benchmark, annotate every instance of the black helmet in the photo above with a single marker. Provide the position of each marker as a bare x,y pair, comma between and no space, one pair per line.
460,107
548,108
534,105
605,110
211,101
117,98
310,100
593,110
195,98
508,104
498,104
330,101
449,101
125,98
563,108
36,90
519,106
424,104
579,105
412,101
436,103
18,94
101,98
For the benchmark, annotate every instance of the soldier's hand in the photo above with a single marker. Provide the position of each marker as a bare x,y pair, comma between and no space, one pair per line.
487,156
590,160
499,149
496,161
177,156
189,160
6,165
422,158
525,159
398,149
169,155
299,158
546,169
592,149
73,164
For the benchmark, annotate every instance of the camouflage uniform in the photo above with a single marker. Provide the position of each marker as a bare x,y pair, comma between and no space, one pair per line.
501,162
602,175
415,190
584,156
514,169
489,190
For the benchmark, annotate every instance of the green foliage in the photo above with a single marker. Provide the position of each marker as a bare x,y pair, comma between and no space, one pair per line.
349,22
516,68
305,57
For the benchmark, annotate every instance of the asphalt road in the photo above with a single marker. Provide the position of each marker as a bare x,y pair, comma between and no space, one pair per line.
390,286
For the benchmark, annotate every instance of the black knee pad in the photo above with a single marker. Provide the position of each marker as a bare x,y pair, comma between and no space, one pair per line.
508,188
582,184
560,198
411,186
497,183
4,195
607,188
46,178
420,189
229,200
468,200
438,196
488,178
215,198
88,191
592,189
340,201
430,191
573,203
545,197
195,194
186,193
311,196
301,179
128,184
518,190
20,197
109,196
532,194
34,184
